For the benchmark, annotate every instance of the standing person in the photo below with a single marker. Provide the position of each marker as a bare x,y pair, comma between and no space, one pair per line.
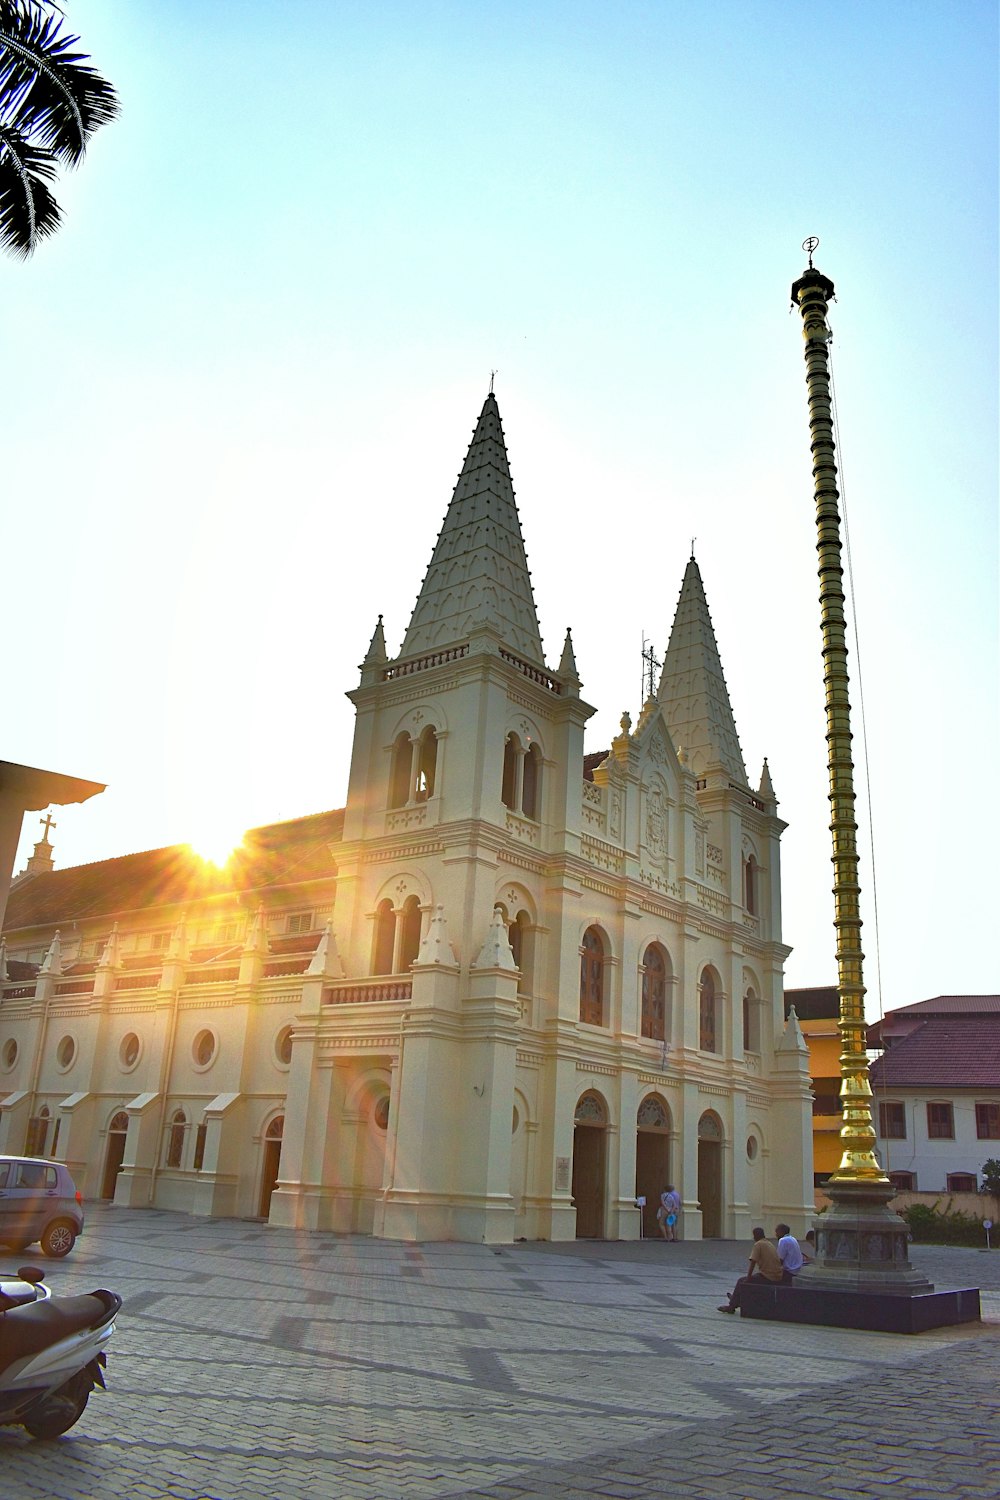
789,1253
666,1214
765,1265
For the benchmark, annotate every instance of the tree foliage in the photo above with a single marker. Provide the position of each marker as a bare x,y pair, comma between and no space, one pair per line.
990,1174
51,102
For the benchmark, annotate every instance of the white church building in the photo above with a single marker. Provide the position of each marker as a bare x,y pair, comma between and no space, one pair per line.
507,990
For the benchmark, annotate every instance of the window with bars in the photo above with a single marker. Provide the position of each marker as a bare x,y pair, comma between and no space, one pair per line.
892,1120
940,1121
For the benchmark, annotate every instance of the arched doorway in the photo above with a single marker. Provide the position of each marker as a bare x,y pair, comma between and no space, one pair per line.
710,1175
589,1166
115,1153
652,1157
272,1163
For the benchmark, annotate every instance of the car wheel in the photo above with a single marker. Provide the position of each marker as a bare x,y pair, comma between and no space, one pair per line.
58,1240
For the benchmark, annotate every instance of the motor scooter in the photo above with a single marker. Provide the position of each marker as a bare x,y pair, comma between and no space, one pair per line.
51,1352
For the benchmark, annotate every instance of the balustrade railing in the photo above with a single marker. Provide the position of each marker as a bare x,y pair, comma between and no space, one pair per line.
375,990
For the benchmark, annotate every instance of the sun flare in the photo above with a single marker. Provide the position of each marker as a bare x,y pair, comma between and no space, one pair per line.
216,847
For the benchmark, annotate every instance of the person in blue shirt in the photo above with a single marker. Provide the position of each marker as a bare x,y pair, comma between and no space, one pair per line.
790,1254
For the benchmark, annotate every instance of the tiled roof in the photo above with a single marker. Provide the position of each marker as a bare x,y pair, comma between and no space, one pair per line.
274,855
821,1003
591,762
949,1005
955,1051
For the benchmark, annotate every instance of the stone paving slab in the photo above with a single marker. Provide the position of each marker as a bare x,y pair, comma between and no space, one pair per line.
259,1364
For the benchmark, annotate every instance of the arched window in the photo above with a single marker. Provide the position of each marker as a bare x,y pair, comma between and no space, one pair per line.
426,764
519,935
751,1022
409,934
750,884
592,978
707,1026
654,994
384,947
531,782
175,1138
402,767
511,767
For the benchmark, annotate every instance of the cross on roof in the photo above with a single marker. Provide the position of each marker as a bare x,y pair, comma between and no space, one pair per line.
47,822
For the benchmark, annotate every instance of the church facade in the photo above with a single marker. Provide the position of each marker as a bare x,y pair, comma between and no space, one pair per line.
509,989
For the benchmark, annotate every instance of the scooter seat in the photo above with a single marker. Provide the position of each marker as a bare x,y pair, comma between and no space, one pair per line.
38,1325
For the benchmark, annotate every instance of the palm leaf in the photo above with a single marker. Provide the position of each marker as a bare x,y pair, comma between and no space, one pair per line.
45,86
28,210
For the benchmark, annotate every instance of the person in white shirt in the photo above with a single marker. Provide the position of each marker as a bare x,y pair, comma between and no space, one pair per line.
789,1253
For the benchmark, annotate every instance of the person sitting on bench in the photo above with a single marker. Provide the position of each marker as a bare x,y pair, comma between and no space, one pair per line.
765,1265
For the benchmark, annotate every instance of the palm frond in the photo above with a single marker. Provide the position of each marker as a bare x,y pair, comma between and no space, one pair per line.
56,97
28,210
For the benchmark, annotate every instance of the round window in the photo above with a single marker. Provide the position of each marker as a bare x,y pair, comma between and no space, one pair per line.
283,1046
381,1113
9,1053
65,1052
128,1052
752,1147
203,1049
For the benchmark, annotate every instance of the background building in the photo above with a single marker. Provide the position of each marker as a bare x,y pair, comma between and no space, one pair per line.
506,989
937,1091
818,1011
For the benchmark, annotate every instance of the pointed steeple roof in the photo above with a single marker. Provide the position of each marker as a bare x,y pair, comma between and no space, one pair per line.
693,688
478,574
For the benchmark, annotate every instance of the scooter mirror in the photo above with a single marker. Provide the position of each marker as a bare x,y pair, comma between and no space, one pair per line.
31,1273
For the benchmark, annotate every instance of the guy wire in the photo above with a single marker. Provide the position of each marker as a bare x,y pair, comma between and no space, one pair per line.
861,691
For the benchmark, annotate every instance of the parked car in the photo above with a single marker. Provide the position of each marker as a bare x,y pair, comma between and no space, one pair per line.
38,1202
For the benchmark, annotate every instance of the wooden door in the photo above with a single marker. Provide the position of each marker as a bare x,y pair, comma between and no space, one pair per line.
652,1173
269,1176
710,1188
588,1181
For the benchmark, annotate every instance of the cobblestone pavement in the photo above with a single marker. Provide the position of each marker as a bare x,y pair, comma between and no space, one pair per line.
260,1364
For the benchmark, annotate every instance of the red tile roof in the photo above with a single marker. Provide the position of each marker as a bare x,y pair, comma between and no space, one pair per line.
949,1005
592,761
954,1051
277,854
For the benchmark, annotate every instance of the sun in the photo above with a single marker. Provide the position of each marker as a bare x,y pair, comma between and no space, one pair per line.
217,846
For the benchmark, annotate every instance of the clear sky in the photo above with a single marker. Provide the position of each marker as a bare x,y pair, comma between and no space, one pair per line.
238,385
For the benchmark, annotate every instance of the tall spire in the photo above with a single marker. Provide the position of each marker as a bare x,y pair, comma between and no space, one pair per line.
693,688
478,574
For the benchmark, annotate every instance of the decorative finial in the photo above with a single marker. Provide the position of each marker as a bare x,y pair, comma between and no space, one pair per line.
626,722
492,373
47,822
693,540
809,245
